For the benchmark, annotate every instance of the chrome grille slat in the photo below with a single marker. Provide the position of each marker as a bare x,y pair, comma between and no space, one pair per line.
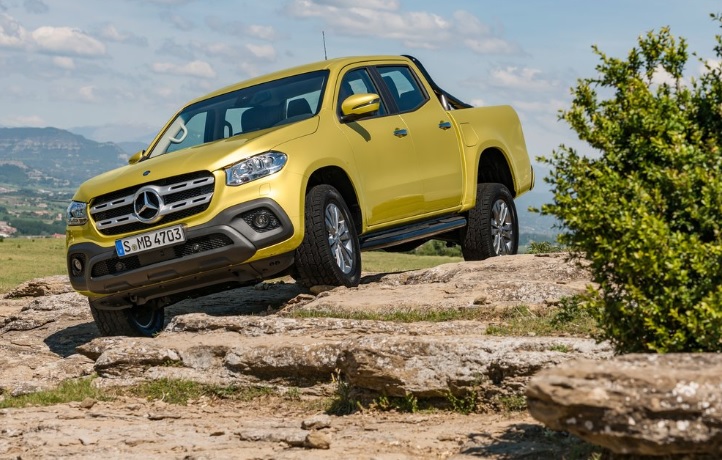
113,215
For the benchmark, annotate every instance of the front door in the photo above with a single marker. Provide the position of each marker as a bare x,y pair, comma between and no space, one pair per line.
384,155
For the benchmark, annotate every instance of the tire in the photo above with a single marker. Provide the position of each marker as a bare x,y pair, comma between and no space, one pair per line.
137,321
493,228
330,253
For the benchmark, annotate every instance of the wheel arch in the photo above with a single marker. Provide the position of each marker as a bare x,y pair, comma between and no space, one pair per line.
494,168
338,179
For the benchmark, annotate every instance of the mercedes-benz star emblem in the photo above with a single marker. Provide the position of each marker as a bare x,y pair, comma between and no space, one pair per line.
147,204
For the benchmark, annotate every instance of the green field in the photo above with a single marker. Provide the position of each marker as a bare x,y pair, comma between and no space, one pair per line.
23,259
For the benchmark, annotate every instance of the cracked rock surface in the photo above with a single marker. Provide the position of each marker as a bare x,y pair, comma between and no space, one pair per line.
248,337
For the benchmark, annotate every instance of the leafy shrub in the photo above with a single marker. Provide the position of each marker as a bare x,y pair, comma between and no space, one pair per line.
437,248
645,208
543,247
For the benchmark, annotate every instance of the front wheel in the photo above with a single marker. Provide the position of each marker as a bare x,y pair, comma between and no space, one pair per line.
137,321
492,228
330,252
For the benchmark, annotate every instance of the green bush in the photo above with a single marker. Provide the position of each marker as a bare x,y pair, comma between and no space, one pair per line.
543,247
645,208
437,248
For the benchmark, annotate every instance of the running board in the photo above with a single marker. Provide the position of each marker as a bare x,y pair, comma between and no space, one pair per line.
411,232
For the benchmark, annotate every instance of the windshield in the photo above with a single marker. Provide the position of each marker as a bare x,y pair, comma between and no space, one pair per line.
275,103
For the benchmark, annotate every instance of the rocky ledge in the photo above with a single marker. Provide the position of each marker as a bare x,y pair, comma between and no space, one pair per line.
635,404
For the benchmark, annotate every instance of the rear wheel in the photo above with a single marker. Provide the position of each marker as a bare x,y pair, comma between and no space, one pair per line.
493,228
137,321
330,252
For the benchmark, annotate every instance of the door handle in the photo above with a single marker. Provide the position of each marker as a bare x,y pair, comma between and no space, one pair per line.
400,132
445,125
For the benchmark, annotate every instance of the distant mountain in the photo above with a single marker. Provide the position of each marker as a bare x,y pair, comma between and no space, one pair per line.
52,157
131,147
118,133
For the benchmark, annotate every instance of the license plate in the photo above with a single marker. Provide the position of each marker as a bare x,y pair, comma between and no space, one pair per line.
151,240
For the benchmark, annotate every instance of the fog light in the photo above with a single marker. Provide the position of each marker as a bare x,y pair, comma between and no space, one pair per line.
262,220
119,267
76,265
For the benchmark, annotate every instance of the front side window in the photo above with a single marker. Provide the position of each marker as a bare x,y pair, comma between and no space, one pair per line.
258,107
404,87
357,81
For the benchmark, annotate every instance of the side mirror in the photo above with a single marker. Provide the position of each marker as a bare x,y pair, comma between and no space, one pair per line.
359,105
136,157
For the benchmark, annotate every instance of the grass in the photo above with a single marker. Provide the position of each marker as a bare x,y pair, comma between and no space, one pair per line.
521,321
381,261
67,391
23,259
398,315
179,392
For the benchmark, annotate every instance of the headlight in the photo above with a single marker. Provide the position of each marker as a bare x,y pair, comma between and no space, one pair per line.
77,213
255,167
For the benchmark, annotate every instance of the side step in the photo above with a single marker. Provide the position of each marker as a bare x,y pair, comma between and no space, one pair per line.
417,230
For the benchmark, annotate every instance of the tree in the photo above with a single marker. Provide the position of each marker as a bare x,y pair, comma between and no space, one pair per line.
645,210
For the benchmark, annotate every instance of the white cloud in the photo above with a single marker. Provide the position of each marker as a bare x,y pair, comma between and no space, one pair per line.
661,76
477,102
416,29
24,120
64,62
521,78
111,33
550,106
390,5
491,45
12,33
199,69
67,40
266,51
262,32
87,94
711,63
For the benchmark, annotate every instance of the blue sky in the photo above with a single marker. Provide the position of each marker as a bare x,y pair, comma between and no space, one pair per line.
120,68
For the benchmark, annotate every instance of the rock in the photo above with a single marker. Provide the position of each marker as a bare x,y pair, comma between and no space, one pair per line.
429,366
635,404
426,360
316,290
87,403
40,287
291,436
316,440
317,422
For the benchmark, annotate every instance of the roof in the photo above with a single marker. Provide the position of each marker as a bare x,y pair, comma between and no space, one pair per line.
330,64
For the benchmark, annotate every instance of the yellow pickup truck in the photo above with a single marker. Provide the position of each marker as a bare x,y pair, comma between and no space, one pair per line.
295,173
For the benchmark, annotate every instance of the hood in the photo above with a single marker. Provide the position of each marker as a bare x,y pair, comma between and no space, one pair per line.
206,157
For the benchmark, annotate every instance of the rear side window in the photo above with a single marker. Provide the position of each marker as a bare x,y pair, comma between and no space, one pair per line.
404,87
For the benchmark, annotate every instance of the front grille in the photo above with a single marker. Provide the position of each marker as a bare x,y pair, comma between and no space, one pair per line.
117,265
180,197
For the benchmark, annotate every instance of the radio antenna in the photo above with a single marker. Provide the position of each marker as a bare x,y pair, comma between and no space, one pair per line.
323,34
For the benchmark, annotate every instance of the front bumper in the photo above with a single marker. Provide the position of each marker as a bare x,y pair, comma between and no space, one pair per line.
214,253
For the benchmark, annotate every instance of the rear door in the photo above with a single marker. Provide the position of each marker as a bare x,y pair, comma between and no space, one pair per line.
437,153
